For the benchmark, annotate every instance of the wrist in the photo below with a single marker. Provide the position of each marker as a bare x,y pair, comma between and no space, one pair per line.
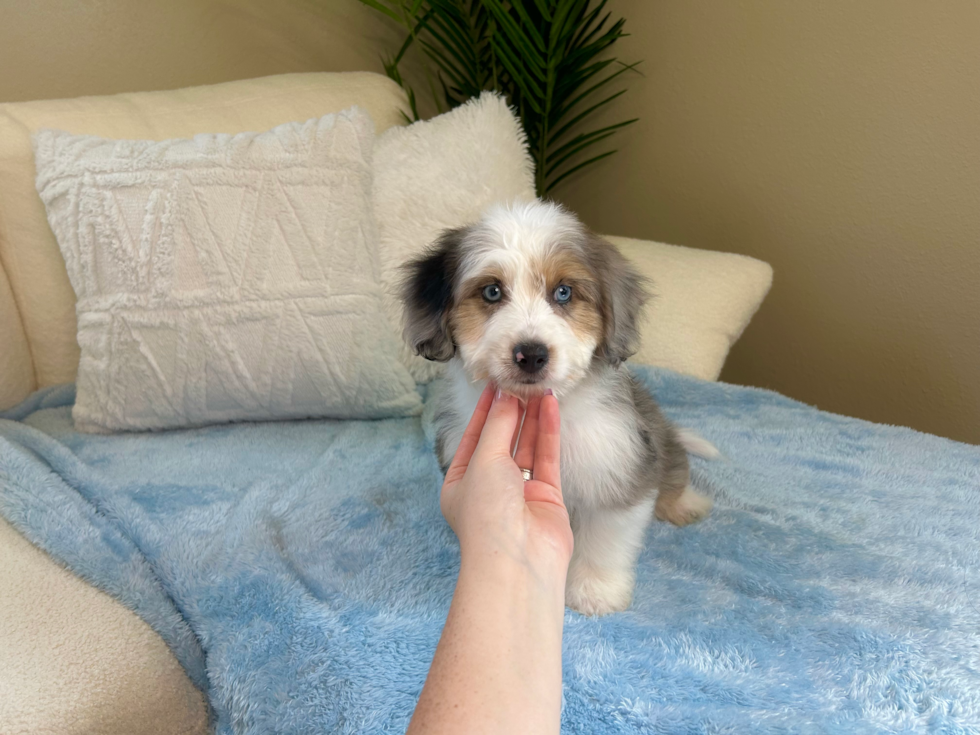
498,664
541,579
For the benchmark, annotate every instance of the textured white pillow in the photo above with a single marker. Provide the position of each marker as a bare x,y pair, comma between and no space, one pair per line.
224,277
439,174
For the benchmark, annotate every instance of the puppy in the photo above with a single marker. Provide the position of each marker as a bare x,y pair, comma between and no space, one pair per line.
530,299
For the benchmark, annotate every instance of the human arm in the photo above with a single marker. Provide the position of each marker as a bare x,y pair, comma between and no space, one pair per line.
497,668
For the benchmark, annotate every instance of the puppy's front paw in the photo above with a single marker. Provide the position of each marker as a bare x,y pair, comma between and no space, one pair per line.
598,592
688,507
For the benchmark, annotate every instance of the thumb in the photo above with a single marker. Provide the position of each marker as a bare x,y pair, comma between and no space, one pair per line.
498,431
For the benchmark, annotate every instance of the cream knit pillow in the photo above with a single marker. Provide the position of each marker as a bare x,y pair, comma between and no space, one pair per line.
444,172
439,174
224,277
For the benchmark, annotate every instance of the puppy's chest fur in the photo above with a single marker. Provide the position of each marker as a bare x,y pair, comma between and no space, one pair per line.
612,436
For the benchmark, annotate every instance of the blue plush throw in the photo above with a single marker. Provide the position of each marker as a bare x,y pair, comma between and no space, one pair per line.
301,571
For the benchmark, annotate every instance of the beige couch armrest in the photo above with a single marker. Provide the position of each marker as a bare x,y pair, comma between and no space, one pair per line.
16,366
76,661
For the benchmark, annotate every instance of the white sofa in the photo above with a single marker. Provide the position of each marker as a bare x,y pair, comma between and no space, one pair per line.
73,659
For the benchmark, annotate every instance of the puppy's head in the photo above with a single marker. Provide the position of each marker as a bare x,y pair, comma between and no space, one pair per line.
527,298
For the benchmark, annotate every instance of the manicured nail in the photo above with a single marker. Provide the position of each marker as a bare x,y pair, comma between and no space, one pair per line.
549,392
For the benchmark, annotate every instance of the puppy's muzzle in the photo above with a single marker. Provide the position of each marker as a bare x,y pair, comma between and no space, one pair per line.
531,357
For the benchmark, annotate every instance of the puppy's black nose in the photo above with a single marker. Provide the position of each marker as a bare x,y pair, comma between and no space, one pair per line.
531,357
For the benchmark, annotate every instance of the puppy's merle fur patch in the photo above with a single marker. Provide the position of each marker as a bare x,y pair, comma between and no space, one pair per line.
427,292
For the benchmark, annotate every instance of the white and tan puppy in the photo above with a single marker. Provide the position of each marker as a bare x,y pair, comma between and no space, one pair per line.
530,299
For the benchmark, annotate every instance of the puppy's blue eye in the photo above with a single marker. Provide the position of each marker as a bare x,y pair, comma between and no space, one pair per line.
492,293
563,294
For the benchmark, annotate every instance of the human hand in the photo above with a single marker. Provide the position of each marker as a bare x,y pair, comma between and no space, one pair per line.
497,667
485,498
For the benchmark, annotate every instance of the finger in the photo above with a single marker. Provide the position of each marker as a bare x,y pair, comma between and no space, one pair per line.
524,456
471,437
547,449
499,427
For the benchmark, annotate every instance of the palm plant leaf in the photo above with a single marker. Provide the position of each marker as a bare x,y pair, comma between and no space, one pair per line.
546,56
561,154
583,164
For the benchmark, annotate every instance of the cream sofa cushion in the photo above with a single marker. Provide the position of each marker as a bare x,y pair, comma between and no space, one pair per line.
75,661
702,301
42,349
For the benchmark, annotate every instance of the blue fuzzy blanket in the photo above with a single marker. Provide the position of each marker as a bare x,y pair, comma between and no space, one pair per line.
301,571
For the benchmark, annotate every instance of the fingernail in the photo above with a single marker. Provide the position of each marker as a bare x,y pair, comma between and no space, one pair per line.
499,395
549,392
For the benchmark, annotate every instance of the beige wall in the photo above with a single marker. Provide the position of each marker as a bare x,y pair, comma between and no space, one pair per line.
67,48
838,140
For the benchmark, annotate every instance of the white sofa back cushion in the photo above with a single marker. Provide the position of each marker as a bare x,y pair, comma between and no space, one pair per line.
702,302
37,305
225,277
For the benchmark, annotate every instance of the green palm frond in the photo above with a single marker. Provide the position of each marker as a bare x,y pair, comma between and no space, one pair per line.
548,57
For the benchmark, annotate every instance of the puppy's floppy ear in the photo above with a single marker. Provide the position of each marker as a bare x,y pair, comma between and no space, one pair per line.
623,294
428,292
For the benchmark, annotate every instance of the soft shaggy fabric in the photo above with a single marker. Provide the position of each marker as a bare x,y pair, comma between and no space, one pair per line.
439,174
224,277
38,336
443,173
76,662
702,302
302,571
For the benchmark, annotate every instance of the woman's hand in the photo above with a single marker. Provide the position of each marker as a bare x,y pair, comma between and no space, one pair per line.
497,668
485,498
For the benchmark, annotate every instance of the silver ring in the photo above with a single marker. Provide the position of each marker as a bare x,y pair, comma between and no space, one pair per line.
528,475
